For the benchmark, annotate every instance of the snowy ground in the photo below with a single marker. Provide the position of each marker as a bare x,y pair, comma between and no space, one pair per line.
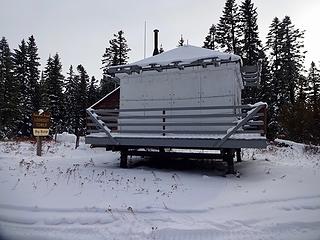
83,194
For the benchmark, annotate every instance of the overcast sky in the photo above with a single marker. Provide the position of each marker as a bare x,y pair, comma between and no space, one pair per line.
79,30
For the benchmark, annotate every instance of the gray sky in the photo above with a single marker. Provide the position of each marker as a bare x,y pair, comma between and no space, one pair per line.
79,30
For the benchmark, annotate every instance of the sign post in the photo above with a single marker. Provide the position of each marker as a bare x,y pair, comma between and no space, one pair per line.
39,146
40,124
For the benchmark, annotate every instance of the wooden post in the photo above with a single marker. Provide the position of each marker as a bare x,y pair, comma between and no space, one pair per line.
228,155
39,146
239,155
124,158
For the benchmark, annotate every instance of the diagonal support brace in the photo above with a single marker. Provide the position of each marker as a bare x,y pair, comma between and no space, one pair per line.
101,125
250,115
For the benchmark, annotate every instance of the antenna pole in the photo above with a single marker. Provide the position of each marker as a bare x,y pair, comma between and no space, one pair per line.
145,39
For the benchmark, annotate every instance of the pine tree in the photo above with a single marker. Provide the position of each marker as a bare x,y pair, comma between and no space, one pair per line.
116,53
302,89
161,50
297,120
251,44
264,90
313,93
285,44
81,98
70,101
264,94
33,72
274,42
296,124
82,101
107,85
20,58
77,98
9,90
292,58
180,42
42,89
274,39
26,72
210,41
251,48
228,29
92,91
53,96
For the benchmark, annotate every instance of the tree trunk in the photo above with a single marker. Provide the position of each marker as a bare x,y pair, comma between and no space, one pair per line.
77,133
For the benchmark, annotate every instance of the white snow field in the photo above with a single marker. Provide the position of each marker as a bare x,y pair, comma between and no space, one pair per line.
83,194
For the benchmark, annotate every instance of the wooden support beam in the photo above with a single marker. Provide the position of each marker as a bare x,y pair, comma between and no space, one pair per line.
124,158
164,154
228,155
238,151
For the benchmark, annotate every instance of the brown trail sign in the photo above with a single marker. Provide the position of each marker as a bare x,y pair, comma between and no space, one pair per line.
40,124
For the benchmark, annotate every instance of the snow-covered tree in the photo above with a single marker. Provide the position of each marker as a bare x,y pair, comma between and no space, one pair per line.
81,97
228,28
92,91
210,41
70,100
265,93
251,47
250,43
9,92
292,57
180,42
285,46
313,95
52,96
302,89
33,72
25,97
116,53
107,85
274,42
313,92
161,50
26,72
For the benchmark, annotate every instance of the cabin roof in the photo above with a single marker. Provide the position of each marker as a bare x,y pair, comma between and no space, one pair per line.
185,54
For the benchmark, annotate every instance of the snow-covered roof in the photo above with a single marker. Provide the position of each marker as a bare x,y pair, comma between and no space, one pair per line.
185,54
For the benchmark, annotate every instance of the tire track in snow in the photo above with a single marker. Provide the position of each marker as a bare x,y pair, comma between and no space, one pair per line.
280,231
94,221
235,231
268,201
154,210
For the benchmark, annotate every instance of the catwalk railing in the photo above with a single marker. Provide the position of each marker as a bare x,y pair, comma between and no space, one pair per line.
242,119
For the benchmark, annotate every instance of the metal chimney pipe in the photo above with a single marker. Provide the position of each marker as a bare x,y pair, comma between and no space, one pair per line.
156,42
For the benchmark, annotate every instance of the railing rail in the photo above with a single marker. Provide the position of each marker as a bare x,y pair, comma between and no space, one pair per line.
105,111
244,119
